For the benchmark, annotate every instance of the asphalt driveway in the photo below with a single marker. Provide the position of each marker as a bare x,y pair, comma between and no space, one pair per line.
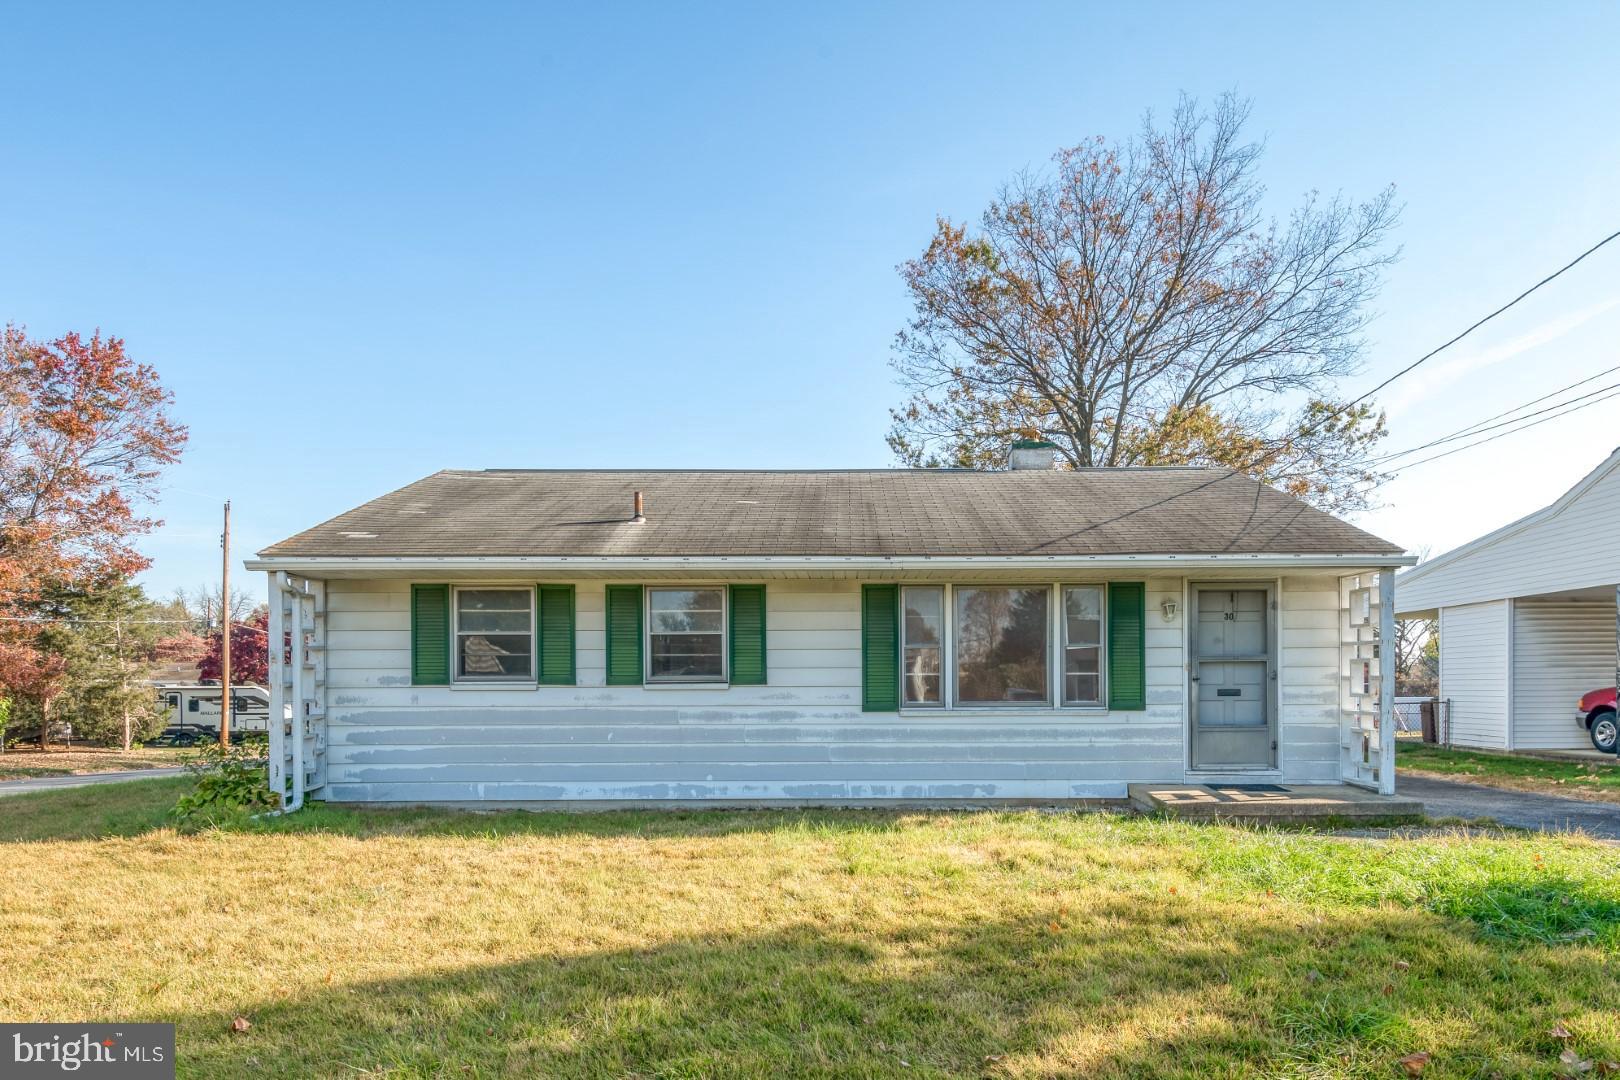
51,783
1521,809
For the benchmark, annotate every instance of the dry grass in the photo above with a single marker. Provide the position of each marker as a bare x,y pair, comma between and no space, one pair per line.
419,943
1597,781
21,763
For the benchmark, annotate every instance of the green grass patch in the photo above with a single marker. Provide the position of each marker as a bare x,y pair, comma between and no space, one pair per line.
426,943
1592,780
1510,889
94,811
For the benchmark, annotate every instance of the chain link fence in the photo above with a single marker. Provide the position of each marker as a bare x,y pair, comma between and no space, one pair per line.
1427,719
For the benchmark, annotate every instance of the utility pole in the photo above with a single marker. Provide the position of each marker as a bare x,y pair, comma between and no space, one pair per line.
123,678
225,633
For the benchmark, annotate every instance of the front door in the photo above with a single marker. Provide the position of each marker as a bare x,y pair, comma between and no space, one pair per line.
1231,673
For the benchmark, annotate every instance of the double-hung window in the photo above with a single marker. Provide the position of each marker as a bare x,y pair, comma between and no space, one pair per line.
923,630
1082,644
686,631
494,635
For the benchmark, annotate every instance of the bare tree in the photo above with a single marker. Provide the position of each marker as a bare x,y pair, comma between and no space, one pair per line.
202,607
1417,658
1136,306
1417,650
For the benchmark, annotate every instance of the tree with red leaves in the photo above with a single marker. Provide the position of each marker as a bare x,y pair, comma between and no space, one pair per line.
36,676
250,652
84,434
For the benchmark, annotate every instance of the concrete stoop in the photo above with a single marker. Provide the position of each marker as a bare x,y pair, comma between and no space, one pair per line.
1272,803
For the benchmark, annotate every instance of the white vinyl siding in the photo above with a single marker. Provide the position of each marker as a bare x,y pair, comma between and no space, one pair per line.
1308,679
1554,550
1561,650
803,737
1474,672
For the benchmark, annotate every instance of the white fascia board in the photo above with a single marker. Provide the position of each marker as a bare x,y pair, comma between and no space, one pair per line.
1457,554
315,565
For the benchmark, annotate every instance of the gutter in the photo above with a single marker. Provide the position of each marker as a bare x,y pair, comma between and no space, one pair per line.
314,566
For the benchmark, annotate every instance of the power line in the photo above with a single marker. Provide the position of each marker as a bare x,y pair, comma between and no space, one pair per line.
1555,393
1511,431
1485,425
107,622
1342,409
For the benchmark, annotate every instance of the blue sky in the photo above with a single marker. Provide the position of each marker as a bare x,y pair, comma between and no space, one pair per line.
365,242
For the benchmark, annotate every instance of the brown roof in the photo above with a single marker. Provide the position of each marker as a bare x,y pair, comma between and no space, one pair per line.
520,512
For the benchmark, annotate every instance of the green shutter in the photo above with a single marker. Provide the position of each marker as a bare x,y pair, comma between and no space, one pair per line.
748,635
554,616
430,635
624,635
880,648
1127,669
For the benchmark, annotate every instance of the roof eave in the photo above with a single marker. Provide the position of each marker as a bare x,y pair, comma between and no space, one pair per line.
315,564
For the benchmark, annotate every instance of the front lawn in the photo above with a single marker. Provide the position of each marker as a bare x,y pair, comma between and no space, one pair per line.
1596,781
22,763
423,943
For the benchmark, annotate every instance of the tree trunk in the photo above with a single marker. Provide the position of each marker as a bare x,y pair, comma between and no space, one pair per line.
126,730
45,724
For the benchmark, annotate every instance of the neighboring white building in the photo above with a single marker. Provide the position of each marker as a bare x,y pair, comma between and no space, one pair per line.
861,636
1527,619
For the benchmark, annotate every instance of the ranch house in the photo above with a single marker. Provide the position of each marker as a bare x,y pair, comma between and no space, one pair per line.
561,637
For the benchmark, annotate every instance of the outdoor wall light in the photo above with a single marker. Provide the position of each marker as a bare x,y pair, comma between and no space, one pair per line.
1170,608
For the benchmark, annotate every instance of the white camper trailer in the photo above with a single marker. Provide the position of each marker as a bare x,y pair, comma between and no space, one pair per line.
198,703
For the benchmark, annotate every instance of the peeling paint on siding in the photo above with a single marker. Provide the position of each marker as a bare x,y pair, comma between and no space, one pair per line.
802,738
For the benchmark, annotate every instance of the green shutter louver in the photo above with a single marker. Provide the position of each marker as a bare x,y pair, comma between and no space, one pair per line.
430,635
880,648
1127,667
554,620
623,635
747,635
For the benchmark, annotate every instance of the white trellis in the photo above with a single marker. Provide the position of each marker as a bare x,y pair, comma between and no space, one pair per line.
1367,680
297,687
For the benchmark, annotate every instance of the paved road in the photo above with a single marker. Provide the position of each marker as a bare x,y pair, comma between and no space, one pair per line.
1523,809
51,783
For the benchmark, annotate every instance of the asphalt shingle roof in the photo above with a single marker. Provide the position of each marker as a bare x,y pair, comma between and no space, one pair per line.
518,512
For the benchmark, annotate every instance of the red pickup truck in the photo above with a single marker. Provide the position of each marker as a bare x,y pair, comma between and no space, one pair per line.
1596,715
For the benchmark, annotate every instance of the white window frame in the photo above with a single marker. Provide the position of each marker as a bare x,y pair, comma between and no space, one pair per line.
1063,645
943,646
532,678
1056,639
647,677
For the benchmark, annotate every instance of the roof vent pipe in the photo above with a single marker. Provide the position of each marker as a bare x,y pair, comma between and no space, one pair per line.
640,518
1032,454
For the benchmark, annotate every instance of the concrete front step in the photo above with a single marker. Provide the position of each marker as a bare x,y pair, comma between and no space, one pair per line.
1272,803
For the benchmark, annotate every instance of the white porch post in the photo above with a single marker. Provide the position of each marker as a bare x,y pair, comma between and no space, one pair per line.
277,721
297,687
1386,682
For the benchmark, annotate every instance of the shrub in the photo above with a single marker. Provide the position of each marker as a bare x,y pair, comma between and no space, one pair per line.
228,778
